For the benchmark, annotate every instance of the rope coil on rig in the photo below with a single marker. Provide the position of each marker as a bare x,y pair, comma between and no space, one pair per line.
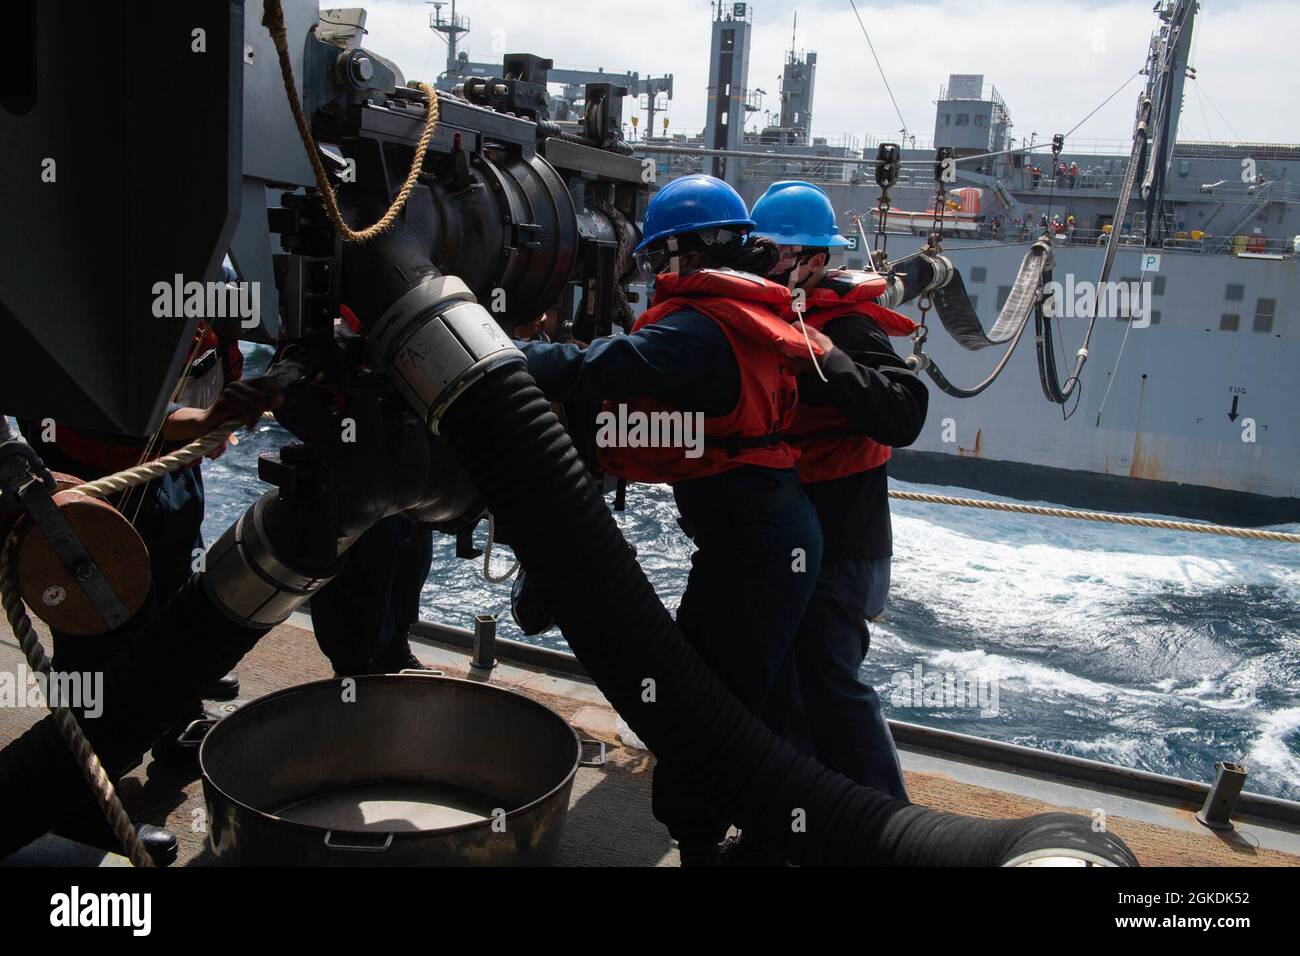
273,20
69,728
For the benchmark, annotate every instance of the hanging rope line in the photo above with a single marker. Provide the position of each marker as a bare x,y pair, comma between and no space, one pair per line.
101,786
273,20
678,149
1120,89
64,720
488,576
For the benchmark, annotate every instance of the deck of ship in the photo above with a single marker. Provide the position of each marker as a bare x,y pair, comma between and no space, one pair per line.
610,823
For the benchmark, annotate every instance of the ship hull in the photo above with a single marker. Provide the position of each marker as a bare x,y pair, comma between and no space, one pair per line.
1199,421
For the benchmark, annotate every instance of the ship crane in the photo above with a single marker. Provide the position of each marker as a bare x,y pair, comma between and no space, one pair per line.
460,67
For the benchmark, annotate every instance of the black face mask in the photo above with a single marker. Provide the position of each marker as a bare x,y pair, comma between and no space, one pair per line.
783,277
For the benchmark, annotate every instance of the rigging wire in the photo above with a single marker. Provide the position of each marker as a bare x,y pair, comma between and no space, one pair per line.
671,149
872,47
1202,89
1121,89
1123,342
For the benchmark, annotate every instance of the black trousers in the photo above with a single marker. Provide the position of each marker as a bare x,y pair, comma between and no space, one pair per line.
749,582
362,616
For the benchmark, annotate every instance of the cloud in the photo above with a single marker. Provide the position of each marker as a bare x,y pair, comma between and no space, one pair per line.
1052,63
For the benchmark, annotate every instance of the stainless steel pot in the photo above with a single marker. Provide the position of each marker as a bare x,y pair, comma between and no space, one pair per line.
403,769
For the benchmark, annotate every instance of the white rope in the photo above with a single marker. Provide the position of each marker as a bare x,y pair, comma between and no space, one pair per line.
1255,534
487,556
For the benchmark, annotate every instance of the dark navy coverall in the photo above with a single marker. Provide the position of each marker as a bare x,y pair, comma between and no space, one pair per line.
361,617
744,597
837,716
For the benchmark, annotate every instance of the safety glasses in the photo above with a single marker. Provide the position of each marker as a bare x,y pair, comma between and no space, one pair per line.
796,256
651,262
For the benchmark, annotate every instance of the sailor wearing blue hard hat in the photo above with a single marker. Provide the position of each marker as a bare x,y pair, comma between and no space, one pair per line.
800,219
865,401
715,347
689,213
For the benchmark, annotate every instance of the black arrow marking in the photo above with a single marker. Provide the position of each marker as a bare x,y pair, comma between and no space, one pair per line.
1232,415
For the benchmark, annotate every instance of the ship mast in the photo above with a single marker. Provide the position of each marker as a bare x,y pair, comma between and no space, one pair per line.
1166,73
451,27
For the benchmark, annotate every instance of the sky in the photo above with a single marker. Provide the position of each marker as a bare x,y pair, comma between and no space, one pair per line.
1052,62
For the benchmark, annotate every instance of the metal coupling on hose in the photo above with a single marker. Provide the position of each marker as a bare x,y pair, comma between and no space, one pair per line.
892,297
248,581
942,272
435,341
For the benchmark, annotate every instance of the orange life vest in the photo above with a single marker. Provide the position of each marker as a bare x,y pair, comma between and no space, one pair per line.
749,311
827,443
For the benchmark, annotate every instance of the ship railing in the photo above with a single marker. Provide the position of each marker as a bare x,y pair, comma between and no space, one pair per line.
809,170
1011,231
1234,245
1084,181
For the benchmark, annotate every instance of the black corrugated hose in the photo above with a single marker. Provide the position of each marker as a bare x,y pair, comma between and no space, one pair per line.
528,471
525,465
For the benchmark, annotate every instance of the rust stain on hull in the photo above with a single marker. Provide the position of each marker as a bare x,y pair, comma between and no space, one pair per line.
1145,463
978,450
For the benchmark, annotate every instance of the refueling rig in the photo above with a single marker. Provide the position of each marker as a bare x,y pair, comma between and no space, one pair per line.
487,215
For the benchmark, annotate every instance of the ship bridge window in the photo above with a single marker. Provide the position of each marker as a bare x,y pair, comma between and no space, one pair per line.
1158,285
1264,310
981,121
1229,322
1235,292
963,119
978,273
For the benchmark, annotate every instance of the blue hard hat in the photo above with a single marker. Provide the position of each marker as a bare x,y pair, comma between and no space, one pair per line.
690,204
797,214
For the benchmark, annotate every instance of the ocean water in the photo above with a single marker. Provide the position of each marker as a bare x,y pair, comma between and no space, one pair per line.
1157,650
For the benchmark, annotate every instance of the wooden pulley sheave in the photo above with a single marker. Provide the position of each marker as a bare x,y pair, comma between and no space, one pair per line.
80,566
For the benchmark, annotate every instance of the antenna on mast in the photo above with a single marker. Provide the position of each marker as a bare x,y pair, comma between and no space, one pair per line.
451,27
